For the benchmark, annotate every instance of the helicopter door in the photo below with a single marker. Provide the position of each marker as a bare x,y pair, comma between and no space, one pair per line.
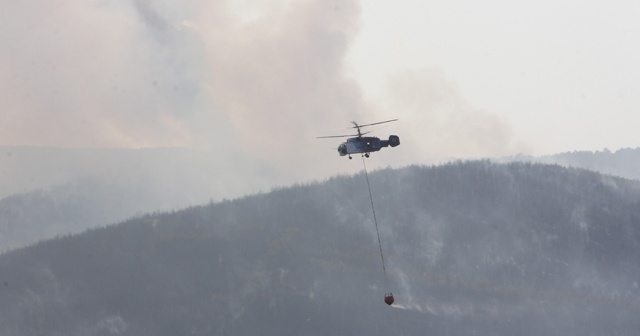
375,143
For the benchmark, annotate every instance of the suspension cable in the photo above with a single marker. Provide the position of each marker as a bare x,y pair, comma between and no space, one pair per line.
375,220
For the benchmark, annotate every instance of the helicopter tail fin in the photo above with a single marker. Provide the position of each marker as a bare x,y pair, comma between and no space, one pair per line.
393,141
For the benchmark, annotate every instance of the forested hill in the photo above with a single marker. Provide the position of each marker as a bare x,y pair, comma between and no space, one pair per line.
45,192
470,248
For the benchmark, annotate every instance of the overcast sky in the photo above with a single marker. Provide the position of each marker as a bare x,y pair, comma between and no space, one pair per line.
259,80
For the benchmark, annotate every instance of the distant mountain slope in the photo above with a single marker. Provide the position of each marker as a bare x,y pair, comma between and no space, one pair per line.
624,162
471,248
70,208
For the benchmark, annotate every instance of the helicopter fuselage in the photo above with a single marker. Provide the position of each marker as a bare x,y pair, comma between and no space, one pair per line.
366,145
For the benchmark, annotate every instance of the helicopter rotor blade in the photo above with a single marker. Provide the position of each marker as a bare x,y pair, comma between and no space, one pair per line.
356,126
376,123
336,136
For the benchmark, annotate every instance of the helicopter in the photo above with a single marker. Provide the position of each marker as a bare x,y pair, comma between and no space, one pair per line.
361,144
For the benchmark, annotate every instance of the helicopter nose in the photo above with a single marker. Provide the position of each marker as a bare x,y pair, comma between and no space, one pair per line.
342,149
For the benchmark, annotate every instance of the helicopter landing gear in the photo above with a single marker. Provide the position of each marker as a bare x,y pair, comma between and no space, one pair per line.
350,157
366,155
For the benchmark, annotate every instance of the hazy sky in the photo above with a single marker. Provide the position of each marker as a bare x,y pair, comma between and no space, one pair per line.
558,75
259,80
